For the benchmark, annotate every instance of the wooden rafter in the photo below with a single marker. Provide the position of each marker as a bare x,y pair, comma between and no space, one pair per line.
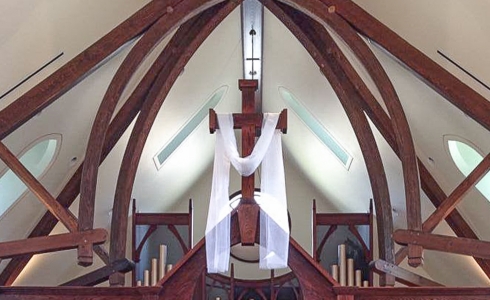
398,119
320,46
54,86
52,243
446,84
179,50
444,243
428,183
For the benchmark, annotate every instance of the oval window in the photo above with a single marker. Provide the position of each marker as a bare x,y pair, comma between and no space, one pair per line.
37,158
467,157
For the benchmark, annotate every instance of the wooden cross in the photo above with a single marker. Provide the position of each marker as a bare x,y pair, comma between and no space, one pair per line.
250,123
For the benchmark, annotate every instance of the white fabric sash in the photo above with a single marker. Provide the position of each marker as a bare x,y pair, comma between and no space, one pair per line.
274,226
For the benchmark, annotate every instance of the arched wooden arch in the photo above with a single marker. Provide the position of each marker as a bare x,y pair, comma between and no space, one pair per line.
344,12
174,16
323,49
150,109
180,49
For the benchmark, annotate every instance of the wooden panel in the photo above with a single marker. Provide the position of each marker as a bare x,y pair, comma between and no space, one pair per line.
162,219
342,219
50,89
179,50
52,243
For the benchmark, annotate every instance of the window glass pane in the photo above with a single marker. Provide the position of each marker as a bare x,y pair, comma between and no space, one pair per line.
36,159
466,159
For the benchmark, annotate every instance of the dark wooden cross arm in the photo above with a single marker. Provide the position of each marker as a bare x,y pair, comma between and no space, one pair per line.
248,121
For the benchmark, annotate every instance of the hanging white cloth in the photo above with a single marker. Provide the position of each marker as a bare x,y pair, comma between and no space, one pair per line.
274,226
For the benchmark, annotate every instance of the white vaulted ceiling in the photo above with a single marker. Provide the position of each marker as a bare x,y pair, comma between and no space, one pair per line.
33,32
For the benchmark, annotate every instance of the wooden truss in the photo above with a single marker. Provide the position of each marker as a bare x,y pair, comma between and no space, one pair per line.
196,19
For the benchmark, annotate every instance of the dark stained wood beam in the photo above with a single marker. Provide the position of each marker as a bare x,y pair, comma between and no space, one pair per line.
446,84
319,44
51,243
101,275
121,121
54,86
242,119
457,195
444,243
179,50
429,185
61,213
446,207
398,119
402,275
175,14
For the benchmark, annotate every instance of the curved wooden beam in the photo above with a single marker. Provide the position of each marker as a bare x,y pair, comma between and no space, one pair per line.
71,190
174,16
443,82
398,119
54,86
179,50
319,44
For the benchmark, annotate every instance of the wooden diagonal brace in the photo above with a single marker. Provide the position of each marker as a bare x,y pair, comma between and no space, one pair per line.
52,243
401,275
446,207
457,195
62,214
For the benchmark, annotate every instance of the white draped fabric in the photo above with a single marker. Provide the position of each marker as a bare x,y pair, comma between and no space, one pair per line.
274,226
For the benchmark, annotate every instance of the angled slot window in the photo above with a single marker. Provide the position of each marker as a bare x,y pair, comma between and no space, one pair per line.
316,127
37,158
467,157
189,127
